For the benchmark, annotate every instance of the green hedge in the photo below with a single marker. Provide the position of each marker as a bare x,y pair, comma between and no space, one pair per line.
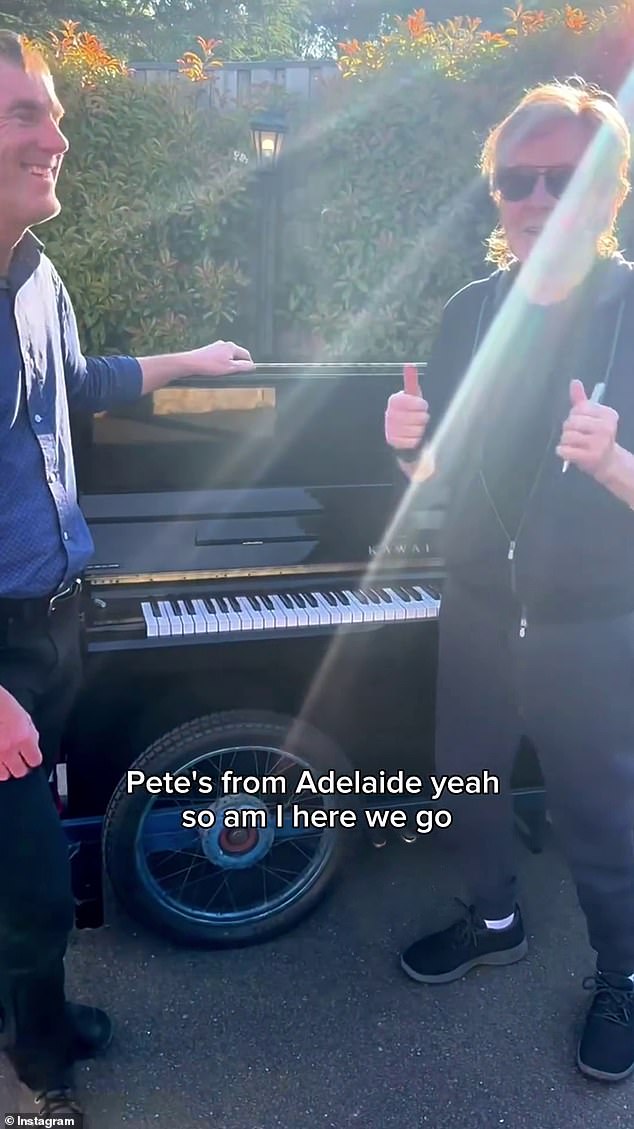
388,215
384,214
153,238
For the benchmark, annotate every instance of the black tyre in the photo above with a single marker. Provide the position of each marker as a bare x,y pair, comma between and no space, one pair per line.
211,884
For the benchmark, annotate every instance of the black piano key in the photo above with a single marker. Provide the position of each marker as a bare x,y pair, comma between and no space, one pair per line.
209,606
311,600
253,601
371,594
286,600
223,604
234,604
385,595
154,608
299,599
402,592
268,603
343,599
414,594
330,599
433,591
189,607
361,597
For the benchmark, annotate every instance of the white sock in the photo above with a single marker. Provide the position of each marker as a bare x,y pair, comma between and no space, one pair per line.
503,922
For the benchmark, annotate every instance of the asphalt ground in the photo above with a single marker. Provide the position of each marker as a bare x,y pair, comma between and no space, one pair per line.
320,1028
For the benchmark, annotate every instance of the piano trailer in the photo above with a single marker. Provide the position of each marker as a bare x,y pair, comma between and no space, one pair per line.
259,625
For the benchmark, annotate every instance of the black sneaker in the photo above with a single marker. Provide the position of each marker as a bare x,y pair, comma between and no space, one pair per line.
606,1047
449,954
58,1102
92,1030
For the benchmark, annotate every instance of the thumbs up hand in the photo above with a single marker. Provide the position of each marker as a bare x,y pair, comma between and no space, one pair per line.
407,413
588,436
410,380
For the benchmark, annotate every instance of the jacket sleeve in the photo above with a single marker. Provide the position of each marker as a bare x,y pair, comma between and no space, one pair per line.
94,384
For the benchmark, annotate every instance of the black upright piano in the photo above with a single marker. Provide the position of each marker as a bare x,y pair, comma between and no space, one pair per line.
263,598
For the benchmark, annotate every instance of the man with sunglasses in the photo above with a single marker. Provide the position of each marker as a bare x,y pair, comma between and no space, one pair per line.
536,630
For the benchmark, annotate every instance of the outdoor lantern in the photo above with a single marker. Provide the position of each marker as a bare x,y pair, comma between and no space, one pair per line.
267,135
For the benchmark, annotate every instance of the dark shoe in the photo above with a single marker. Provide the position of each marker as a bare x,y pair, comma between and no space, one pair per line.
49,1105
93,1030
606,1048
449,954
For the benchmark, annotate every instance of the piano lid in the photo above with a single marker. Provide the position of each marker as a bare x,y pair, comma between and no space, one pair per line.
284,468
282,426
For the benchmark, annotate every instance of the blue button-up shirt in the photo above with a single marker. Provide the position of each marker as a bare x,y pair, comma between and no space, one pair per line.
44,539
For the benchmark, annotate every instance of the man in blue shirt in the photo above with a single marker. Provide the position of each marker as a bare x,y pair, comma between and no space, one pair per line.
44,546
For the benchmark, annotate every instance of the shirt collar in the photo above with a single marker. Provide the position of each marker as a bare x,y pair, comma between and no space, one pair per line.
26,258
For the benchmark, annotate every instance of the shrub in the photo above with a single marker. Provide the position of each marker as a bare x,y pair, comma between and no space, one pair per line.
388,215
152,237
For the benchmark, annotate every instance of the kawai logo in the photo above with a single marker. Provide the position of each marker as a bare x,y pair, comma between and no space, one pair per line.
398,549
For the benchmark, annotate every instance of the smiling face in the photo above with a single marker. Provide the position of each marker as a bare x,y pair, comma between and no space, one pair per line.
554,151
32,148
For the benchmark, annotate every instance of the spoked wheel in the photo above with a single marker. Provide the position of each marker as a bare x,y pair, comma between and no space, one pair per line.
229,861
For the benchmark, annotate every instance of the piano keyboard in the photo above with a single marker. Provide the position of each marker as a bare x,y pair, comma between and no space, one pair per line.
255,612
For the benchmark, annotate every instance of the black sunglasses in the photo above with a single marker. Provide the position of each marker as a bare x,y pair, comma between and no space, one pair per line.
515,184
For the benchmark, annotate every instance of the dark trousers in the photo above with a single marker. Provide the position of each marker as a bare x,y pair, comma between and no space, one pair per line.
40,664
569,688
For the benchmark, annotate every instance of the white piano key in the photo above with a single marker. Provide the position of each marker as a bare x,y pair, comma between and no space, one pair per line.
331,612
416,594
409,604
176,626
387,609
300,613
229,619
355,607
166,627
256,619
320,608
327,614
246,614
422,600
431,604
344,609
236,619
162,622
373,613
188,622
206,621
267,615
395,603
224,623
400,603
150,619
313,613
284,617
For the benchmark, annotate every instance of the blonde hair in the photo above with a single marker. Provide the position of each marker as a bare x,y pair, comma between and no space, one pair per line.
553,103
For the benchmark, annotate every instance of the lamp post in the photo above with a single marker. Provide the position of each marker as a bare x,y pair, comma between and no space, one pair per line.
268,130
